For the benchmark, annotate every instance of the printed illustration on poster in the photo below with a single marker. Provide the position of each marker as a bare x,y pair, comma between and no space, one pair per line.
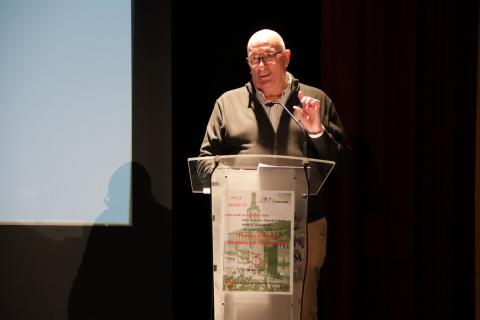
258,241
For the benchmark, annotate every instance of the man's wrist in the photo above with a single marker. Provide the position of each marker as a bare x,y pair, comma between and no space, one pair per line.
314,135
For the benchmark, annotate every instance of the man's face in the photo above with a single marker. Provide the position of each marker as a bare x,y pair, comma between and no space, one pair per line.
268,72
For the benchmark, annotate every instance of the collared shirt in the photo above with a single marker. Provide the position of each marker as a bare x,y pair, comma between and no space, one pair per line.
275,112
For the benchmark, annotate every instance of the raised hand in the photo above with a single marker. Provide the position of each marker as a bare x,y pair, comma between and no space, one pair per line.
309,114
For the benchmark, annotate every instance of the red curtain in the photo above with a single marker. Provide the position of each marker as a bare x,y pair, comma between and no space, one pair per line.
402,75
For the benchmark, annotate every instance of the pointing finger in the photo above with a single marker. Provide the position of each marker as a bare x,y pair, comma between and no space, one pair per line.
300,95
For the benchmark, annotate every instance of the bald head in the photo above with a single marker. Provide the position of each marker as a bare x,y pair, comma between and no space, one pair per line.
266,37
268,60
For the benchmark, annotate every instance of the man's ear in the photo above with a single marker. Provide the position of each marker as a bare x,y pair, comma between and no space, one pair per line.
286,55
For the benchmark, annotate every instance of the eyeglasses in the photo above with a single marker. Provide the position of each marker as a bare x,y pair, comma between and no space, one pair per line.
267,58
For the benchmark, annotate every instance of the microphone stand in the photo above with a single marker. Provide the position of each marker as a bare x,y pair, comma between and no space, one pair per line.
271,104
305,168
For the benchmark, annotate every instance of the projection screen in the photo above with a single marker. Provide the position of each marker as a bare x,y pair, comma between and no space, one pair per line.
65,112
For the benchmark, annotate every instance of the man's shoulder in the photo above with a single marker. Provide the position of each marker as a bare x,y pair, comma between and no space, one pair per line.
311,91
240,91
240,94
316,93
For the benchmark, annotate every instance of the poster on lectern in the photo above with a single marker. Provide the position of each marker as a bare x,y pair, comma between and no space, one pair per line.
258,241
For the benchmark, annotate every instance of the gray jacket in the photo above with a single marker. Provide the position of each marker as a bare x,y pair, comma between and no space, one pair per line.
239,125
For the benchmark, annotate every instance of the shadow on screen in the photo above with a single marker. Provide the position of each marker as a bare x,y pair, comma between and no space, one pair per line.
126,272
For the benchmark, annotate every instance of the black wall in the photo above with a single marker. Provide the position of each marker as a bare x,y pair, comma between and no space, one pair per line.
208,54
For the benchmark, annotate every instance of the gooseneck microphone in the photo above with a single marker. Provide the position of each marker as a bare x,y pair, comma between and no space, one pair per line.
271,104
305,167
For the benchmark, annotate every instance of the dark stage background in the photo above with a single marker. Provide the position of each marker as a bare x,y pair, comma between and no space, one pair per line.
402,75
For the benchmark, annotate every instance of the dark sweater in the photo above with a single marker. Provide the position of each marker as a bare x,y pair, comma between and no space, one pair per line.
240,125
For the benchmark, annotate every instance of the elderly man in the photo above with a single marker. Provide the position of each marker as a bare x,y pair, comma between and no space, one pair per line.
251,120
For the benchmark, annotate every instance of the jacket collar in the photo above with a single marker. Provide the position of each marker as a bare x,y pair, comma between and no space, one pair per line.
253,97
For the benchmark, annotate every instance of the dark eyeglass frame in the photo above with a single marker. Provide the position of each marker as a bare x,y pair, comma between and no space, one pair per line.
267,58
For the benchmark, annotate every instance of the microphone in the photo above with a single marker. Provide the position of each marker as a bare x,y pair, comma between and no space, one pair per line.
271,104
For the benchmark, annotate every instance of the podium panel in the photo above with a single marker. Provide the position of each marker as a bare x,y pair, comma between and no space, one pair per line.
259,234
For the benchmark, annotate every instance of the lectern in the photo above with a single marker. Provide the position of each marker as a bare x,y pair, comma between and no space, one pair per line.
259,218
